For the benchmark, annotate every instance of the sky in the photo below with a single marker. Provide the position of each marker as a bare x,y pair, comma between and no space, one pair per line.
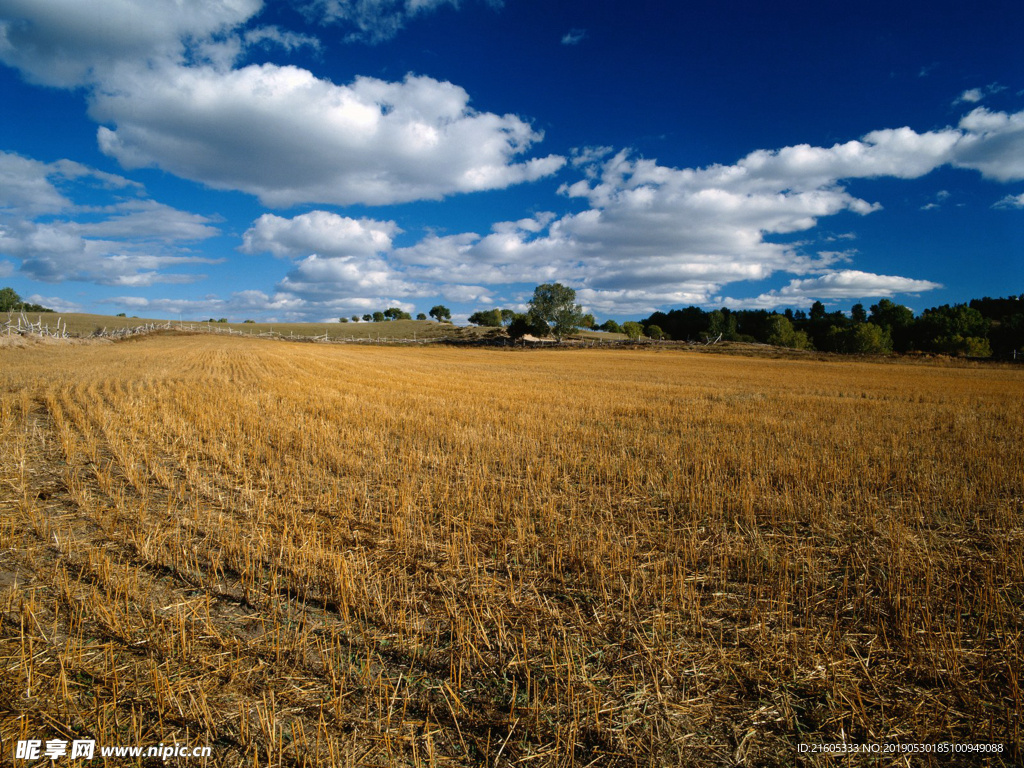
308,160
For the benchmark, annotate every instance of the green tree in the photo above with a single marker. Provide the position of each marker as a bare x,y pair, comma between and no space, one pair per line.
340,320
721,322
588,321
441,313
368,317
632,329
781,333
868,339
610,326
9,299
394,313
355,318
507,316
489,318
858,314
655,332
555,305
421,316
523,324
378,317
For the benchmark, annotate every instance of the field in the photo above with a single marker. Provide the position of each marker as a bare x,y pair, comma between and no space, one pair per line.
335,555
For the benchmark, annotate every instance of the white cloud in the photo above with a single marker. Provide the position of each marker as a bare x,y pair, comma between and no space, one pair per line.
655,236
992,143
288,137
67,43
128,242
29,187
54,302
974,95
574,36
1011,201
318,232
970,96
161,79
319,276
6,268
842,284
55,252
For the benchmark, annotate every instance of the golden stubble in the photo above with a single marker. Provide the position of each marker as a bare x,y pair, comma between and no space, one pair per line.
309,555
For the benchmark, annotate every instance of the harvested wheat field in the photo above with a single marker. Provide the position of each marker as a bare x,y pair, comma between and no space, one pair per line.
304,555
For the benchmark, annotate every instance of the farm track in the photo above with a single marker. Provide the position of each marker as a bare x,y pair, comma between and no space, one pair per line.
367,556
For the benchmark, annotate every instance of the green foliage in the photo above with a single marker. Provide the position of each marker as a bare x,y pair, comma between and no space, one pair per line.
655,332
523,324
610,326
633,329
378,317
121,314
340,320
441,313
783,334
355,318
721,322
555,305
588,321
421,316
368,317
395,313
253,321
489,318
222,320
9,299
859,339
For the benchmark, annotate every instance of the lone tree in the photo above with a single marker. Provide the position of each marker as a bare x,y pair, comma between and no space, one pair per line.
555,305
9,299
441,313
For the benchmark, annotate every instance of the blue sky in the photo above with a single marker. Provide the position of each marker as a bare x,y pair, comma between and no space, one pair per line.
307,160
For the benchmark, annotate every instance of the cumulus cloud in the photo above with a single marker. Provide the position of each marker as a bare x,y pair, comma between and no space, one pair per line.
288,137
318,232
842,284
65,43
992,143
652,235
161,79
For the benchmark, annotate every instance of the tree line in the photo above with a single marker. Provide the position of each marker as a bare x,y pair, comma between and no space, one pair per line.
984,327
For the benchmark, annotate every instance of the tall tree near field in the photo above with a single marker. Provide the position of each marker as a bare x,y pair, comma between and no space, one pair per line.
555,305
